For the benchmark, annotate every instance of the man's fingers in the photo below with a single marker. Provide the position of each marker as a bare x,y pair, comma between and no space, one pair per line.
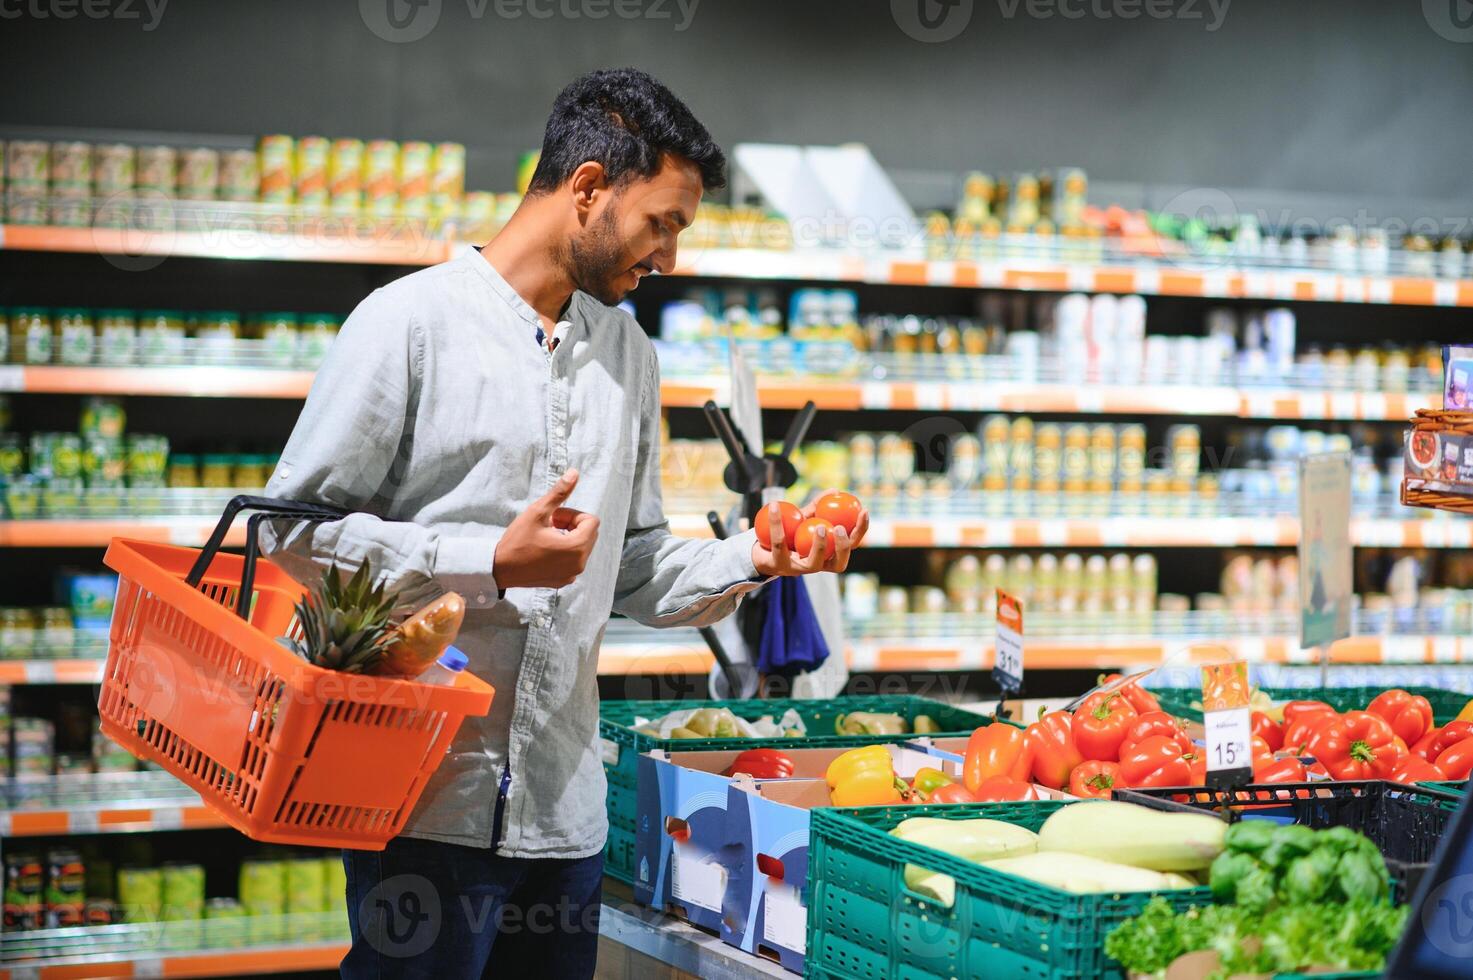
861,528
560,492
840,560
584,532
567,518
815,558
776,534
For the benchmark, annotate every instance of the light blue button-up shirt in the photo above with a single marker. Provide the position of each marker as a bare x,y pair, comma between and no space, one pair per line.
439,418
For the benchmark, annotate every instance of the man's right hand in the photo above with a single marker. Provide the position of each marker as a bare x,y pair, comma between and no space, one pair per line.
547,546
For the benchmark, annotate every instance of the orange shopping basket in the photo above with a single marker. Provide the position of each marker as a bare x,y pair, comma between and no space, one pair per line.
284,751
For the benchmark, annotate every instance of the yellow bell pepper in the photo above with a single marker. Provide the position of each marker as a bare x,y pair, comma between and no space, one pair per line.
1467,713
863,777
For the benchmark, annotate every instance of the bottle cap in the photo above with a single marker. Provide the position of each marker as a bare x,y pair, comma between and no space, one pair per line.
453,659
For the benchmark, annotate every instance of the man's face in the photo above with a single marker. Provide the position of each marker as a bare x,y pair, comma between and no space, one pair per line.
631,232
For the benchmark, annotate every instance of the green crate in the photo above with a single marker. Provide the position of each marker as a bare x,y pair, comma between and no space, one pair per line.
623,746
1460,787
863,923
1446,705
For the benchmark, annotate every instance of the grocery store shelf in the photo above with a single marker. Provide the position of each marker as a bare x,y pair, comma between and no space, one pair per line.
103,803
200,948
89,533
1167,529
313,239
291,241
978,395
1184,277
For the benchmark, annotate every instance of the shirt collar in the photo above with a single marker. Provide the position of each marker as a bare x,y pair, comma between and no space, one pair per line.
510,296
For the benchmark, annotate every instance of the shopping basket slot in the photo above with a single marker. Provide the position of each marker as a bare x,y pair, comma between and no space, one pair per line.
286,752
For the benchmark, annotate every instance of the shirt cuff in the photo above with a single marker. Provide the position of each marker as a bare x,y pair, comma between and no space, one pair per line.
739,549
463,564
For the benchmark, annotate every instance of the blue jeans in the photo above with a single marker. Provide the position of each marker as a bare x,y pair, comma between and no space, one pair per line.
423,909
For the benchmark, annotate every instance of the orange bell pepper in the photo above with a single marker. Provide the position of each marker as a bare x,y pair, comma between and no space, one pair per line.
995,750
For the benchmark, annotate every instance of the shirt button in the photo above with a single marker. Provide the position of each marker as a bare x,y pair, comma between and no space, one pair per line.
481,598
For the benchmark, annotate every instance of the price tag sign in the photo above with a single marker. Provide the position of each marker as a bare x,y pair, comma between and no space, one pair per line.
1228,723
1007,665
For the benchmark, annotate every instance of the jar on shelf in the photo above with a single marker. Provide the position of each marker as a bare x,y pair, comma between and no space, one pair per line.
161,337
215,472
17,634
56,635
183,471
61,497
30,335
250,473
148,458
76,336
103,460
279,335
117,337
23,498
317,333
215,334
103,417
12,456
65,455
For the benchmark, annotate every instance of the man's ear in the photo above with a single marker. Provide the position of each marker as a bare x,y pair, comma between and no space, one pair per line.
588,181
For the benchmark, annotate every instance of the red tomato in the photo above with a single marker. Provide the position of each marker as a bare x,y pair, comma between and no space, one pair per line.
1001,789
839,509
1100,725
803,538
1095,779
1268,730
1456,761
791,518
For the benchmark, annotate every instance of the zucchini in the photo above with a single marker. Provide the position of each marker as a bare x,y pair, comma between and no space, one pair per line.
1139,836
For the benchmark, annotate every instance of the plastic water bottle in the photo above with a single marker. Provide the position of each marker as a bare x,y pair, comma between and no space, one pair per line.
445,670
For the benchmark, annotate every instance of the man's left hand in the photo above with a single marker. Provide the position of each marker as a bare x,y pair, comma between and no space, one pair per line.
781,559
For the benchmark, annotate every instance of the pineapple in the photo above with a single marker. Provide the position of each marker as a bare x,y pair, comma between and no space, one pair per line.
346,627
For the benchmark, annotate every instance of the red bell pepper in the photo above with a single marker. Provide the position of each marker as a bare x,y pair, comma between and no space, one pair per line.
762,764
1289,770
952,793
1100,725
1156,761
1156,723
1295,709
1140,699
1355,745
995,750
1095,778
1409,715
1002,789
1423,747
1451,734
1298,732
1415,769
1456,761
1268,730
1050,741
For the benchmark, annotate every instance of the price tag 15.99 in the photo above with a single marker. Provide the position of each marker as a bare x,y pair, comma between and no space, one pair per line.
1228,724
1007,667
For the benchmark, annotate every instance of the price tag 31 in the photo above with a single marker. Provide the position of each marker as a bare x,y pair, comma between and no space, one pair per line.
1007,666
1228,723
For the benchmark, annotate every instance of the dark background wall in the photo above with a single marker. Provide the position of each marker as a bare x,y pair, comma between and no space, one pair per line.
1356,101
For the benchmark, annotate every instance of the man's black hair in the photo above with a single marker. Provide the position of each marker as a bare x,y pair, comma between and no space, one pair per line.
625,120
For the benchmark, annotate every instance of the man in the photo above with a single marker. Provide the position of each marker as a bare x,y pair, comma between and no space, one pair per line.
495,424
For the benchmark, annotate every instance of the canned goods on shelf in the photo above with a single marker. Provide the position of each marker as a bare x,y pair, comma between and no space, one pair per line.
112,169
157,169
239,175
76,335
415,162
381,177
27,163
199,173
275,165
312,159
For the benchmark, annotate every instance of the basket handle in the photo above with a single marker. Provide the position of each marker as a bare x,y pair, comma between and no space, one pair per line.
266,507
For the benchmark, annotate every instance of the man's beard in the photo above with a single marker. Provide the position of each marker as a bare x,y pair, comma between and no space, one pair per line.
596,259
